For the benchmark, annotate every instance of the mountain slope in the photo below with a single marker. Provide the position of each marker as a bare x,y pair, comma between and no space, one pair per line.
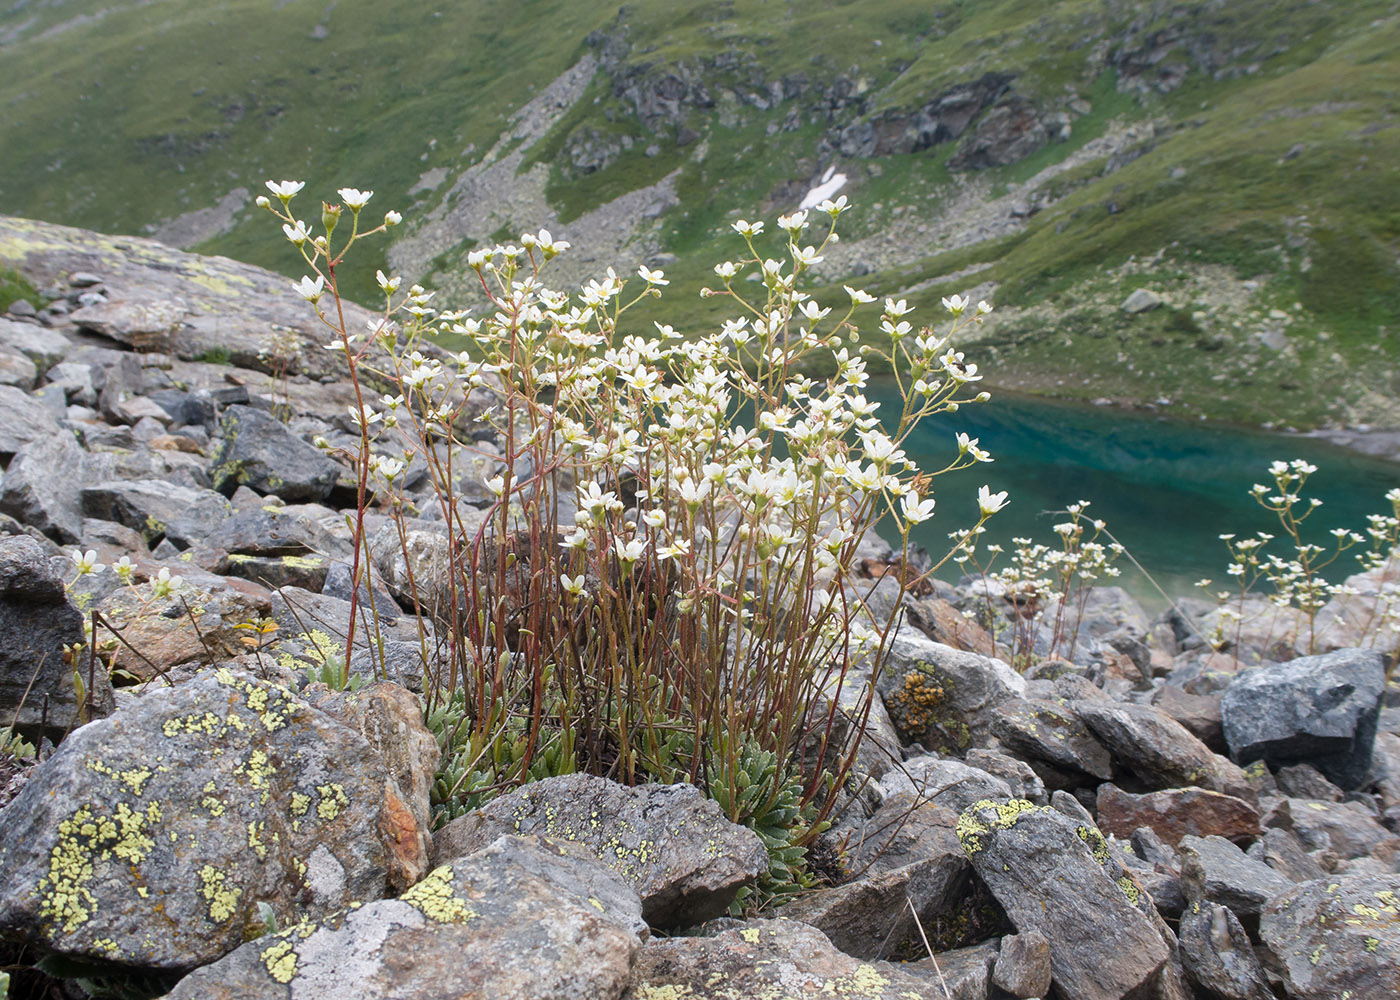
1239,159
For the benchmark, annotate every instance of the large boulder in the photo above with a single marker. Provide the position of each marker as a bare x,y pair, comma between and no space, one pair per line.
1218,956
523,919
668,842
156,509
37,625
1318,710
1056,876
1175,813
23,420
150,838
258,451
42,487
1215,870
1336,937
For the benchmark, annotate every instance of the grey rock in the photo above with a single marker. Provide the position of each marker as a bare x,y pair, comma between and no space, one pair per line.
1217,955
17,370
184,811
23,420
1282,851
522,919
668,842
1053,876
777,958
258,451
43,483
1200,714
1215,870
1174,813
36,623
948,783
1140,301
909,857
1336,938
1159,750
939,696
156,509
1349,829
1023,965
1048,732
960,973
1318,710
45,348
1303,781
1023,781
145,323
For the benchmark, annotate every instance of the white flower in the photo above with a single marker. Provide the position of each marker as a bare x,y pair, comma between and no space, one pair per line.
163,584
571,584
727,269
988,502
675,550
285,189
389,285
629,552
124,567
748,228
392,218
794,223
983,307
496,484
956,304
916,510
858,296
654,518
262,201
807,256
388,467
310,290
652,277
86,561
833,208
355,200
896,309
298,234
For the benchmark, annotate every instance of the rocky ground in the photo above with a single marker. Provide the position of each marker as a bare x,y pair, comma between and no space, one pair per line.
1150,818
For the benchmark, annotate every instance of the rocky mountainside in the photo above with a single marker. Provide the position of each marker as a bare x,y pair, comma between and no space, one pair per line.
1191,205
210,809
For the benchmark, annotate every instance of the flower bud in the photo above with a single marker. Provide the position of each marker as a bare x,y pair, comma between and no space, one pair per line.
330,215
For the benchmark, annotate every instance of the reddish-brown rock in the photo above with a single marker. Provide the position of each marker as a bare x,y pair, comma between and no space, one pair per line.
1176,813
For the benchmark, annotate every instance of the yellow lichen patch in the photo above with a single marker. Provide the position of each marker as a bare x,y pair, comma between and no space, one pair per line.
281,961
668,992
865,981
433,897
750,934
300,803
255,843
333,799
85,838
134,778
916,699
1095,841
1130,889
222,900
970,828
108,946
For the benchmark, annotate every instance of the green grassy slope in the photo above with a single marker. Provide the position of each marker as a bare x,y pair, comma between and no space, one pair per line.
1271,156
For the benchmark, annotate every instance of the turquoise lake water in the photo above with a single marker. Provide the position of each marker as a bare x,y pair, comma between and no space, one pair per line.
1166,488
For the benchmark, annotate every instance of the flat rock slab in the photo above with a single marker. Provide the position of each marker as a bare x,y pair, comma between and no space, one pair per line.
1318,710
522,919
1337,937
668,842
1048,732
1175,813
766,958
150,837
1044,871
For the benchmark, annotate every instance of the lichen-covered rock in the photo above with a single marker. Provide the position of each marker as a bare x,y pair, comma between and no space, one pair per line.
391,720
1048,875
258,451
1217,955
765,958
1058,746
668,842
150,837
1318,710
523,919
1337,939
940,696
1159,750
36,622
